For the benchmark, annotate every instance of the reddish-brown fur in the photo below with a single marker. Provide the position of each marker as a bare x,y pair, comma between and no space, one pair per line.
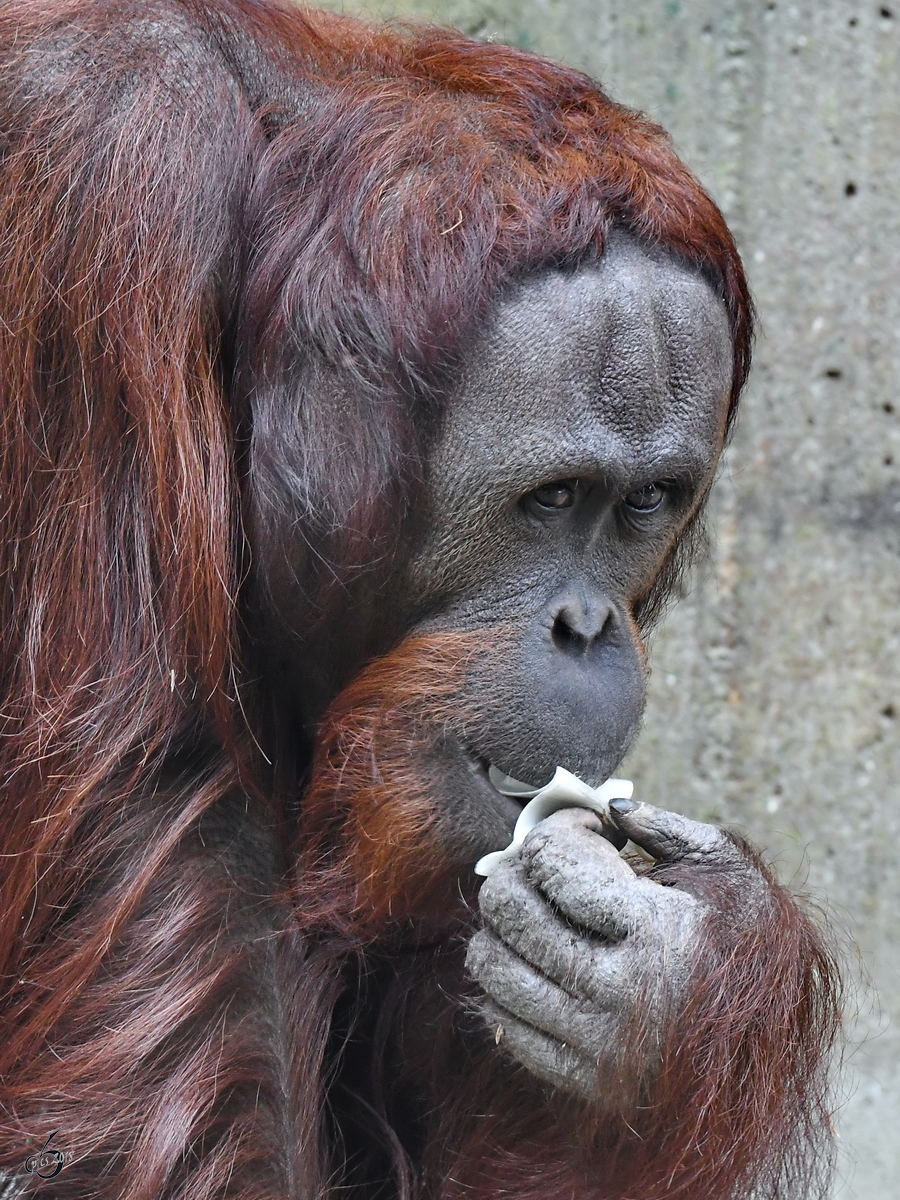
186,957
371,839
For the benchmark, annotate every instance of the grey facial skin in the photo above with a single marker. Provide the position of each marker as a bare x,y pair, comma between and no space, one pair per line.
599,382
610,380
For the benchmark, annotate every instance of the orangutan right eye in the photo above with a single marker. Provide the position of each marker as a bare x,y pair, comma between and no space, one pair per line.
559,494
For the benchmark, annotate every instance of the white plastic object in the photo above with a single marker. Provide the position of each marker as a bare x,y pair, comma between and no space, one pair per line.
564,790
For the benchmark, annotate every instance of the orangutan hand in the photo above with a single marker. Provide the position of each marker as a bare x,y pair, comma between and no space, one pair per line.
578,951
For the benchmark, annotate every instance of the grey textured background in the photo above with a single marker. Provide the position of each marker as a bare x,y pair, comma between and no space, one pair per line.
775,702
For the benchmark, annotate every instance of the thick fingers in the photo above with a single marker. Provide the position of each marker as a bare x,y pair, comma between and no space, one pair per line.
551,1060
670,837
583,876
529,995
577,948
522,918
580,844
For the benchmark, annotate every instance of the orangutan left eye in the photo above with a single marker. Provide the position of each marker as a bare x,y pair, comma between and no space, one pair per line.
648,498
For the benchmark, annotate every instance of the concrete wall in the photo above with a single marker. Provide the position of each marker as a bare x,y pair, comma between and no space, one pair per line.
775,700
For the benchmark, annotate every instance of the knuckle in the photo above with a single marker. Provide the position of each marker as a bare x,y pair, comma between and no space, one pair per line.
501,895
477,954
539,842
487,961
557,862
709,841
552,878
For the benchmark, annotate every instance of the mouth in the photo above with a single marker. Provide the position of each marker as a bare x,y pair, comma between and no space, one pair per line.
529,804
504,793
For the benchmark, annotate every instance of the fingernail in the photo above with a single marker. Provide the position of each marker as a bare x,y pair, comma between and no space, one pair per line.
622,806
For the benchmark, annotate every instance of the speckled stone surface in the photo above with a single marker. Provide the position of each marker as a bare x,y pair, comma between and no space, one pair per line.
775,702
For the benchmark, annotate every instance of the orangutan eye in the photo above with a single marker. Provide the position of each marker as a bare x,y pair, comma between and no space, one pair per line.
648,498
560,494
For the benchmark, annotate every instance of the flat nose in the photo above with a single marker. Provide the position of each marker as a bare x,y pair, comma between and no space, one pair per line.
581,619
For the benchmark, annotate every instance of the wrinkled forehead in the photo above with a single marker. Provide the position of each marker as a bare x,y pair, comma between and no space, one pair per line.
632,349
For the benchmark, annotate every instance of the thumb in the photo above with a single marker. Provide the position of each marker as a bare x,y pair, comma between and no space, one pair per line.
668,836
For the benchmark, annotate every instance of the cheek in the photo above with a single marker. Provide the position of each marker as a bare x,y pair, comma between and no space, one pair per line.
374,833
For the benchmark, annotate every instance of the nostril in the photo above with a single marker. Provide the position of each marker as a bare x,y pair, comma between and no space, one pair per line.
581,622
566,638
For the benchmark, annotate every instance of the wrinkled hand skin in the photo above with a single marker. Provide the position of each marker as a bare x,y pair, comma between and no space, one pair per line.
578,951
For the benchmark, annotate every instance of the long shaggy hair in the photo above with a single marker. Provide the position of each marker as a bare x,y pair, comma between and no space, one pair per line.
201,205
